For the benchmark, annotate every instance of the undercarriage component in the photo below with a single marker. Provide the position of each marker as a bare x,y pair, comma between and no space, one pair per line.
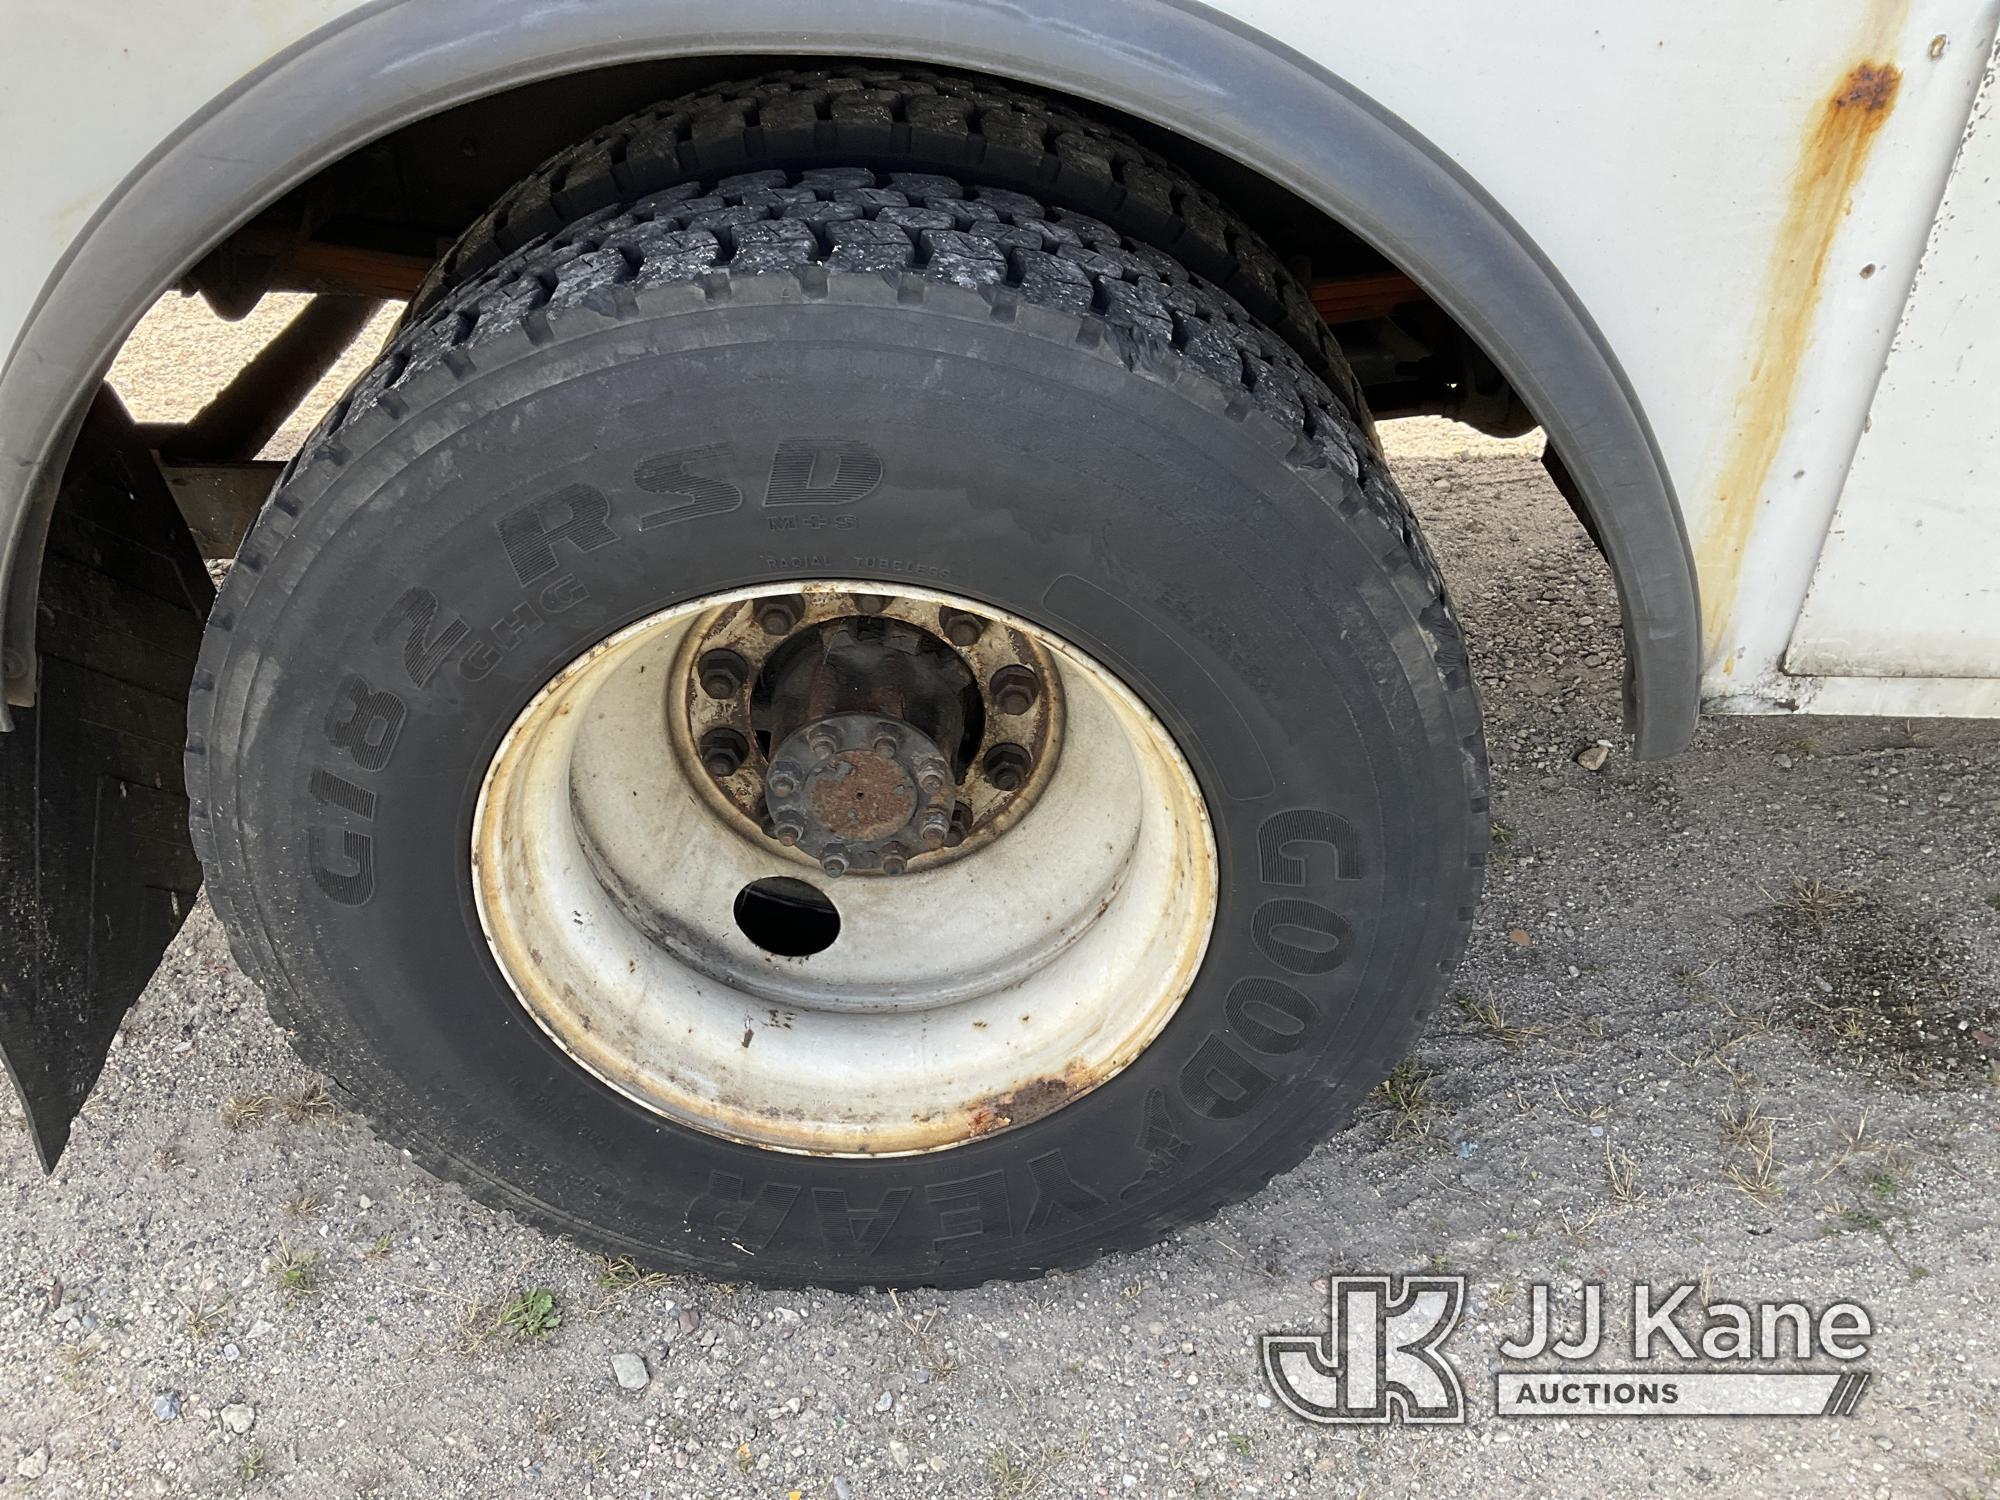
241,417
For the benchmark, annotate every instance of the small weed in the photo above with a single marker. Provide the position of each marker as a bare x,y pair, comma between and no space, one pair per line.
242,1111
1620,1172
1745,1126
251,1465
1010,1480
298,1274
168,1157
1582,1116
204,1318
75,1360
1754,1174
937,1360
478,1325
620,1273
1854,1139
1582,1232
531,1314
1882,1185
1993,900
1407,1092
311,1105
1490,1018
380,1249
1808,903
304,1205
745,1459
1239,1444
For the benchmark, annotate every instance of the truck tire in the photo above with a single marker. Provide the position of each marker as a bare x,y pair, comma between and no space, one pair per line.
916,120
1144,643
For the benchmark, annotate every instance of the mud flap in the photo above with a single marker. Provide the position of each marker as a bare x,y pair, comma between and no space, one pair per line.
96,868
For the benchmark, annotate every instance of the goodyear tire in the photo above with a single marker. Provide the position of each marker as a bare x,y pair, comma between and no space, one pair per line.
1043,417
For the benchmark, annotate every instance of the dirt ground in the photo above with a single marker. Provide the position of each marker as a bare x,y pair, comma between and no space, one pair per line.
1729,1019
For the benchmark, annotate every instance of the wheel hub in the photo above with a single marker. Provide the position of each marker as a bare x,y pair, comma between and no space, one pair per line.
857,792
900,691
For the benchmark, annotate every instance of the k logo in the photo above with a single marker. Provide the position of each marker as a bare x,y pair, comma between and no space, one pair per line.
1380,1360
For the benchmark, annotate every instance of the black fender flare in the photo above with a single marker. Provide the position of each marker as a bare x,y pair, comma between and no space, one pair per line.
1178,64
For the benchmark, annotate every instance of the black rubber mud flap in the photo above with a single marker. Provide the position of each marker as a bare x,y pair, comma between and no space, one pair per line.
96,870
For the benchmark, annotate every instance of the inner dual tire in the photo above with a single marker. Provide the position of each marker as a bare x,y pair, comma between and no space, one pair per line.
885,388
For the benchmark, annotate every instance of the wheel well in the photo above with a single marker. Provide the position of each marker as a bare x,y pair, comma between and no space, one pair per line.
347,107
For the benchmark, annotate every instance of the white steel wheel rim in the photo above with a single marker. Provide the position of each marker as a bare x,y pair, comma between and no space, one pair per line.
956,1001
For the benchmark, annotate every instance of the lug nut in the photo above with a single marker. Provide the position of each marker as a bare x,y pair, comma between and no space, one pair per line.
722,751
894,861
871,604
784,779
1014,689
823,743
885,746
722,672
934,828
834,862
960,628
931,779
788,829
1007,766
778,615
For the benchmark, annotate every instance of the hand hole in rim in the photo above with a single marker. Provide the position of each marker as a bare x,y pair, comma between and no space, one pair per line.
787,917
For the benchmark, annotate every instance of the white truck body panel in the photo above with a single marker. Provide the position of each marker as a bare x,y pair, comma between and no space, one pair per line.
1740,196
1911,569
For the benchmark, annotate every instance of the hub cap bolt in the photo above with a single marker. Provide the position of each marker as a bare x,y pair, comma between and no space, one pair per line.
834,862
1007,767
723,673
1014,689
960,628
784,778
779,615
893,860
935,826
722,751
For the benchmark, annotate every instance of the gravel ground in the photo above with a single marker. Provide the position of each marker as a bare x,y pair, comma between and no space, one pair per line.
1728,1019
